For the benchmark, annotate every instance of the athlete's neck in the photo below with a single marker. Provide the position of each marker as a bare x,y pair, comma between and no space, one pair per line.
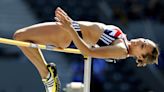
131,54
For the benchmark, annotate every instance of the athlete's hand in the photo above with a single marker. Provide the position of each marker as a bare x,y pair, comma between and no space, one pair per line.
63,19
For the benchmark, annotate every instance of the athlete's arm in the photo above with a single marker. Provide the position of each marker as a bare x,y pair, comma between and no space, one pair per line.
114,51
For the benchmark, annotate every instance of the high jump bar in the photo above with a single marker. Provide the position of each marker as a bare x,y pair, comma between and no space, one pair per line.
33,45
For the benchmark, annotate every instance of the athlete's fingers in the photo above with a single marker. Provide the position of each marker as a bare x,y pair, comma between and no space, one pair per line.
56,16
61,10
65,23
64,13
61,17
56,19
56,11
64,18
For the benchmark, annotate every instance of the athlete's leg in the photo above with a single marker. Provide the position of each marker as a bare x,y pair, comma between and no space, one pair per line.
36,57
44,33
41,34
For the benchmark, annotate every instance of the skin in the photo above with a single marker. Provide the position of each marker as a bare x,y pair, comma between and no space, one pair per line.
53,33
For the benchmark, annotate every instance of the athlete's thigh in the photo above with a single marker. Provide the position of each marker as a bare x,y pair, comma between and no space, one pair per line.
46,33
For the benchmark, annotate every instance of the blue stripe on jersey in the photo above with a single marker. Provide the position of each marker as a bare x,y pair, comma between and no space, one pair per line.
106,38
108,32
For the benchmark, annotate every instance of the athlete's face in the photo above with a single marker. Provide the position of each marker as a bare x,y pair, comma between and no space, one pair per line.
140,47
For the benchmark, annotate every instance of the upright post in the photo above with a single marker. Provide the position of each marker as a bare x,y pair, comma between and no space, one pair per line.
87,73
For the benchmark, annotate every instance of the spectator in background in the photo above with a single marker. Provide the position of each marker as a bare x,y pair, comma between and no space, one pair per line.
119,14
134,9
153,9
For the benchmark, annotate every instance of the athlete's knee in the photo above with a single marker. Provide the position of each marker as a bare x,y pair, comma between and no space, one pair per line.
19,34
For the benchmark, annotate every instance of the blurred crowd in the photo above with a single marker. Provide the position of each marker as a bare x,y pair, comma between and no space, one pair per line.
139,9
96,10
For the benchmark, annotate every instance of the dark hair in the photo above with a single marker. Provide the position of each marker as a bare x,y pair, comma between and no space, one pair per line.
152,57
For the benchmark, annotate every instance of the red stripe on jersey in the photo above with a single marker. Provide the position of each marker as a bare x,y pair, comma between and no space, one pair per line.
118,32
